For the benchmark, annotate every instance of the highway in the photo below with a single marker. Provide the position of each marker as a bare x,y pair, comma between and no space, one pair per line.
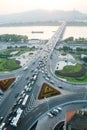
41,109
41,66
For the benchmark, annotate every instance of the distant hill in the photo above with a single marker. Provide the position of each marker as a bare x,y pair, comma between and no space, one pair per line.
41,16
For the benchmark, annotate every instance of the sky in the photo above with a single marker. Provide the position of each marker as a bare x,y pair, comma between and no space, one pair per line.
16,6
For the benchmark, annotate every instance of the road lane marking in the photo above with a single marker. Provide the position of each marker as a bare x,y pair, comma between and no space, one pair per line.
28,120
36,109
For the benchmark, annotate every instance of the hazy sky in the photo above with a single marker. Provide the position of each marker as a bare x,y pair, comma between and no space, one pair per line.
12,6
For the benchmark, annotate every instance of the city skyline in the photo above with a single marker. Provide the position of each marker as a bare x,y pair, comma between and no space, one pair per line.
16,6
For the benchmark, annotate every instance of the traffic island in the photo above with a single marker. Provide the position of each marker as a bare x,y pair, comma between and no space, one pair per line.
5,84
47,91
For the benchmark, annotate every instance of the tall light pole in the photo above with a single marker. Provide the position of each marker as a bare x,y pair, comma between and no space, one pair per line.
47,103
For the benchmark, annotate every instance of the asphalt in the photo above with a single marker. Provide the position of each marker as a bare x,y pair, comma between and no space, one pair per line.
49,123
35,109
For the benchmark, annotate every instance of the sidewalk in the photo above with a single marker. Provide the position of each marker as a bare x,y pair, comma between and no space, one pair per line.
48,123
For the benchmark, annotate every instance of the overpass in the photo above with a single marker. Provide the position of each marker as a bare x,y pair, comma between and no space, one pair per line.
48,49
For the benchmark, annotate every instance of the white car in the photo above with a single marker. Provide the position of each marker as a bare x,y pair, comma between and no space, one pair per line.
55,110
1,118
49,114
59,108
25,68
47,78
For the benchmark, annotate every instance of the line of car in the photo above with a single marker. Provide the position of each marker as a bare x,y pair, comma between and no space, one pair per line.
42,65
20,97
54,112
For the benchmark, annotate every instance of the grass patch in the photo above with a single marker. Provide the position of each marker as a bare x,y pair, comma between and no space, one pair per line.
82,79
71,69
24,50
8,64
20,50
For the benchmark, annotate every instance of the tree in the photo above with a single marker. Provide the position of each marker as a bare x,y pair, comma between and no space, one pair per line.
84,59
69,39
13,38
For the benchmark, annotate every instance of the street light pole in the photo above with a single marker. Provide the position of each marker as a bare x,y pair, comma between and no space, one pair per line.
47,103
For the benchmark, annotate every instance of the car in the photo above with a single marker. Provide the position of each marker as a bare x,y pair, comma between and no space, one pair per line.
15,104
22,92
25,68
34,77
23,95
54,113
20,101
60,87
49,114
51,81
1,118
25,87
16,95
28,82
2,125
59,108
47,78
32,82
10,119
42,71
19,97
1,93
56,110
30,88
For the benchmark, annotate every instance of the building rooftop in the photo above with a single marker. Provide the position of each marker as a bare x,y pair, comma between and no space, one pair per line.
78,121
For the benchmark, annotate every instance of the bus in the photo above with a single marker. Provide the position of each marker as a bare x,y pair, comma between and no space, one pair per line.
25,100
16,119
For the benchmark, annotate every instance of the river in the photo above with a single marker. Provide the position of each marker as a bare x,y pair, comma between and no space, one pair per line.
48,31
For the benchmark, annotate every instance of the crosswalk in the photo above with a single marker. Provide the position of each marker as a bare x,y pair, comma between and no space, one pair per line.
1,96
31,105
